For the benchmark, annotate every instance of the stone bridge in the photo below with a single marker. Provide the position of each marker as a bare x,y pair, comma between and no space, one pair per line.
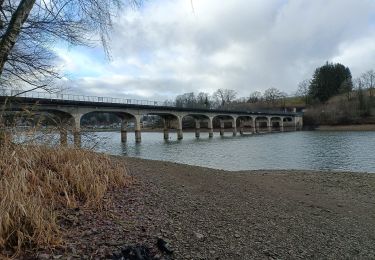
71,108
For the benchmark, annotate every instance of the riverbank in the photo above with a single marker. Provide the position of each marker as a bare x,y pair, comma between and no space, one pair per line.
212,214
365,127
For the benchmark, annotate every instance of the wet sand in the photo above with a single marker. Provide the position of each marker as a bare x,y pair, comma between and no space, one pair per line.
211,214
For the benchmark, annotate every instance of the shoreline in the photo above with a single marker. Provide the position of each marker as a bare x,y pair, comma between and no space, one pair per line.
204,213
251,171
364,127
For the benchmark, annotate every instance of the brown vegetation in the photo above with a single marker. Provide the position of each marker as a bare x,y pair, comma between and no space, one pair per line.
356,107
37,183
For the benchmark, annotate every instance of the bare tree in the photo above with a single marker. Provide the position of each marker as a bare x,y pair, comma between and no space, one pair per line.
203,100
225,96
368,79
272,95
303,90
186,100
30,28
358,83
255,97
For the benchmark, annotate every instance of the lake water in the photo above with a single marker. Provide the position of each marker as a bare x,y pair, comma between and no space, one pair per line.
338,151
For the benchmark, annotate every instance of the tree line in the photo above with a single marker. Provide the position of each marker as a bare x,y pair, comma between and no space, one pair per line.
226,98
330,84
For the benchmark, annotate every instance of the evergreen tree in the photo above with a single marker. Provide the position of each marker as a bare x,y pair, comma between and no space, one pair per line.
330,80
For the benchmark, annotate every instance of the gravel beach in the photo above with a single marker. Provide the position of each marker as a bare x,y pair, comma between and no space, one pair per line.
176,211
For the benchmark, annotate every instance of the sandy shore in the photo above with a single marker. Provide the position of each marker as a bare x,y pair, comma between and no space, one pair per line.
211,214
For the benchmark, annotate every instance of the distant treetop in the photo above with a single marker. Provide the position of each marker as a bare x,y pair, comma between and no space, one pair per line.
330,80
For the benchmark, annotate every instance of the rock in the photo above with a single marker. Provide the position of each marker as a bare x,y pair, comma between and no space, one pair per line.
198,235
73,250
164,246
137,252
94,231
237,235
115,255
44,256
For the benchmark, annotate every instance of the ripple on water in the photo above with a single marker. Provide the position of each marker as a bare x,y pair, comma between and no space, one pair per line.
339,151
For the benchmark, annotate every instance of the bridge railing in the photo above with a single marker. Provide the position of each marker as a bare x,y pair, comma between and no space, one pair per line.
72,97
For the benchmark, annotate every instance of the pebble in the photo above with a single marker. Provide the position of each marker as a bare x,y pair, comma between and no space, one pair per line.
44,256
164,246
198,235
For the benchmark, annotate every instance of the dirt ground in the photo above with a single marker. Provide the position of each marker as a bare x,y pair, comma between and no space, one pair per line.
204,213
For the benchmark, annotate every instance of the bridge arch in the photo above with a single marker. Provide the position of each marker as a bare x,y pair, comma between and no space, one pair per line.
59,119
222,119
262,123
122,116
288,123
277,123
243,122
288,119
198,120
170,121
125,117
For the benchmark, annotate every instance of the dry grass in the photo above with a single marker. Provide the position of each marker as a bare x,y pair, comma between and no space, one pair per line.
38,182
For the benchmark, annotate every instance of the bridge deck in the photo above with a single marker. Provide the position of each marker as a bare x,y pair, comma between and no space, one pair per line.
79,103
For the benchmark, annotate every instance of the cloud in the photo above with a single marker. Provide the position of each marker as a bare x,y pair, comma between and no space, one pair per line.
166,48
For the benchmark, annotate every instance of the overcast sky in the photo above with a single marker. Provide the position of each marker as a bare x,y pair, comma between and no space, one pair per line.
169,47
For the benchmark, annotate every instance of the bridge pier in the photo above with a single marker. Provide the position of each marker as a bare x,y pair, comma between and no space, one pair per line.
234,126
241,127
253,125
77,130
269,124
63,137
295,123
124,125
77,137
282,124
166,129
210,128
197,128
221,128
180,134
137,129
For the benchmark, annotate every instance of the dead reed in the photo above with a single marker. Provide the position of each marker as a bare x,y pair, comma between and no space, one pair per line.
38,182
